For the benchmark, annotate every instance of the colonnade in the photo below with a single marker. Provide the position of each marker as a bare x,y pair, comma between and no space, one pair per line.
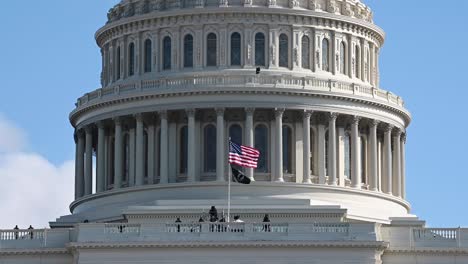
128,152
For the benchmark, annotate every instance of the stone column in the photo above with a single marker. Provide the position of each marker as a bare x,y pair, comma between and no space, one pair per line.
151,151
306,148
403,164
249,136
279,144
191,146
388,158
373,155
350,61
118,154
397,163
321,153
88,180
164,149
356,154
220,144
100,175
139,151
332,148
79,170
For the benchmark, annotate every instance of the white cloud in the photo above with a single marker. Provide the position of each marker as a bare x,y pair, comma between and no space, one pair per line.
11,137
33,191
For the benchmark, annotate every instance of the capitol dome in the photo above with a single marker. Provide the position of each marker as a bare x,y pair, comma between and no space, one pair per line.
296,79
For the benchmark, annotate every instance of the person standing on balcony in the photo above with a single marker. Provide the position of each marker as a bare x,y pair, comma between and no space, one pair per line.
16,232
266,226
178,225
213,214
31,234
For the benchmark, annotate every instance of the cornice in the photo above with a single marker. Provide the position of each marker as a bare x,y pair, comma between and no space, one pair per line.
190,17
427,251
45,251
240,244
241,91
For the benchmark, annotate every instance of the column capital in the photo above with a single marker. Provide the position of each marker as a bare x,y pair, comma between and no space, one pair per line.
220,111
356,120
117,120
279,112
332,117
374,123
190,112
397,132
88,129
249,110
403,137
307,114
138,117
100,124
162,114
388,128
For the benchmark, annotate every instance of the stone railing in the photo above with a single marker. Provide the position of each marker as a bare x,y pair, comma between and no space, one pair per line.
417,237
35,238
169,84
356,10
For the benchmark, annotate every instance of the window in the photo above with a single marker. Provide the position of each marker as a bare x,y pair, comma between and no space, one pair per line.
368,65
211,49
118,63
131,59
363,160
325,55
347,156
283,51
261,143
343,58
148,55
235,133
312,148
188,51
210,148
305,52
357,69
110,162
183,150
287,150
167,53
145,155
260,49
235,49
126,158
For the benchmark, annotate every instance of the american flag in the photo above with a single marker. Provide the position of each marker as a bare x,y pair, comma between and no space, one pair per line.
243,156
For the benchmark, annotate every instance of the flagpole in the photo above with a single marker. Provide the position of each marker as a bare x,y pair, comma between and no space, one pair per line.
229,187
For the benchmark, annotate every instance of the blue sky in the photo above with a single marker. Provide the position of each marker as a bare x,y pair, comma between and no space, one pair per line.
50,58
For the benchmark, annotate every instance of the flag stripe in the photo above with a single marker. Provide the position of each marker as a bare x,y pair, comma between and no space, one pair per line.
243,156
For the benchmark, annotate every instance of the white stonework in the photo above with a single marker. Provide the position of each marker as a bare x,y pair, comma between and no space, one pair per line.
298,80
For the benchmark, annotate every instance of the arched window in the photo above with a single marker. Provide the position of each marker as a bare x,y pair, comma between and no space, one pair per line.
347,156
261,143
260,49
211,50
357,68
235,133
235,49
110,162
188,51
145,156
148,55
118,63
325,55
283,51
131,59
343,58
368,65
183,150
167,53
210,148
305,52
126,165
363,160
287,150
